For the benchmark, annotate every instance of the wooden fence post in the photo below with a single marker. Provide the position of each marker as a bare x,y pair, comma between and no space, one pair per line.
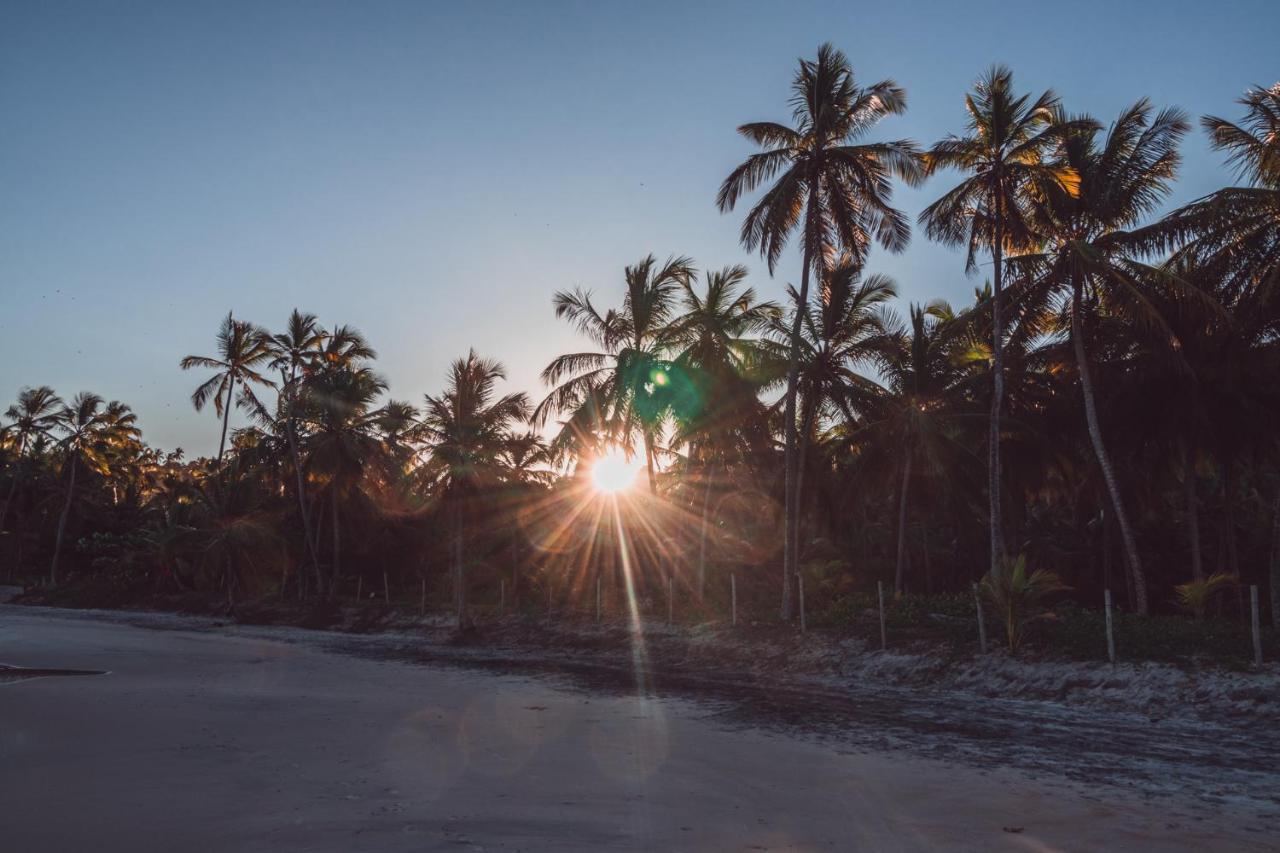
884,637
386,588
982,625
1257,627
424,596
502,596
359,587
597,599
1111,637
733,597
671,600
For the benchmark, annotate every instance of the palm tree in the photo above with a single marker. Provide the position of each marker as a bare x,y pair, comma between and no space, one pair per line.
525,462
1122,177
844,332
241,348
631,341
468,429
720,356
1006,155
89,429
918,416
33,416
1229,241
336,406
1233,235
295,353
835,192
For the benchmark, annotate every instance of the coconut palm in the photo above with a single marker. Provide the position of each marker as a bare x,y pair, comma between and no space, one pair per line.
336,408
33,416
918,419
720,363
1007,155
1229,241
843,334
90,429
835,192
1018,597
468,430
295,353
525,464
1233,235
632,342
242,347
1121,176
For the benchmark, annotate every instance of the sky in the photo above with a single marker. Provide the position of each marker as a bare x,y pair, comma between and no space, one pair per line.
431,173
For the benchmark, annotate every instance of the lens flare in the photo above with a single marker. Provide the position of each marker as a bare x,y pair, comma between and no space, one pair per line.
614,472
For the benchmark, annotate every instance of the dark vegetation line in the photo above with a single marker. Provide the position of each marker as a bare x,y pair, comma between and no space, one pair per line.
1102,416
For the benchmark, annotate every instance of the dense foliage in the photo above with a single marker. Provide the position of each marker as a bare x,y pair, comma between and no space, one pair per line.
1105,408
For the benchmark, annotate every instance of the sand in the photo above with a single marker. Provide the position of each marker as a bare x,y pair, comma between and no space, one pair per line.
231,741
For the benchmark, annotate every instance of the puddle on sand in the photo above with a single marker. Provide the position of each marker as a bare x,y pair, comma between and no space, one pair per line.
15,674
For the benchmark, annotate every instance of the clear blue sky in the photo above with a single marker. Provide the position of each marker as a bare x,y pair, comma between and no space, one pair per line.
432,172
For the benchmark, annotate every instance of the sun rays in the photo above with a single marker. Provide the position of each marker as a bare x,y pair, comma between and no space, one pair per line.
614,472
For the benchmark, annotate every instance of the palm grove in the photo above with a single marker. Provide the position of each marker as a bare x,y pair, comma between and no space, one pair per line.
1103,409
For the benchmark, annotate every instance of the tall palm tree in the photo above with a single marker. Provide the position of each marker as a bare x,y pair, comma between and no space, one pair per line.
468,429
242,347
831,189
918,417
1121,176
295,353
1233,235
525,464
844,333
632,343
719,354
1007,155
34,415
337,408
90,429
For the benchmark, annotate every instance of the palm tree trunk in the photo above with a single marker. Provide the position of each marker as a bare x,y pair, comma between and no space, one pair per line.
312,544
1100,451
702,535
997,400
808,409
459,571
62,523
1193,512
790,475
899,575
648,460
226,420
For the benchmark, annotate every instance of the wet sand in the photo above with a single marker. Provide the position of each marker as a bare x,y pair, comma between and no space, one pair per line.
219,741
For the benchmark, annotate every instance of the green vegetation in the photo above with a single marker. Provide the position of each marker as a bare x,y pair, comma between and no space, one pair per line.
1104,407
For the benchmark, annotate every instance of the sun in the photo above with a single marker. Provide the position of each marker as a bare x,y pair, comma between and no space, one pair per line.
614,472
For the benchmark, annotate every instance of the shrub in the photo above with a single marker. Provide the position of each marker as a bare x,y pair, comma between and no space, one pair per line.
1018,597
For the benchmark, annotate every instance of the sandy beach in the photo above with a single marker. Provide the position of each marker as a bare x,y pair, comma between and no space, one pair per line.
225,741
